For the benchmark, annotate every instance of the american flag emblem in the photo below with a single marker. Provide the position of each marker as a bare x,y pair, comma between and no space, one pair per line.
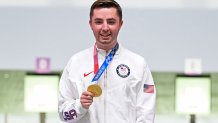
148,88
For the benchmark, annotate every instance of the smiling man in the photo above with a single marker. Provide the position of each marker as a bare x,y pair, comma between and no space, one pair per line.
106,24
106,83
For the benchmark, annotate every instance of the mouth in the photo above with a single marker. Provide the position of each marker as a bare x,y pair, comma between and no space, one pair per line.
105,36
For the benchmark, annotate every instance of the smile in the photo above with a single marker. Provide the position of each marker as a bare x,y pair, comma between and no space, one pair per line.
105,35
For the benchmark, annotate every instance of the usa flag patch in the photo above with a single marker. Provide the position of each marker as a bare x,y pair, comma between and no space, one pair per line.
148,88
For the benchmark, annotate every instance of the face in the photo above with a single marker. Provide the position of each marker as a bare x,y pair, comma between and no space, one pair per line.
105,24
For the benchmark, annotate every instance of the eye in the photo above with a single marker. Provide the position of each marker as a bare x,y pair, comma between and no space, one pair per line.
98,22
111,22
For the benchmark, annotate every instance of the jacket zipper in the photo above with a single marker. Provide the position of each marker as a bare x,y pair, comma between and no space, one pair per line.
105,93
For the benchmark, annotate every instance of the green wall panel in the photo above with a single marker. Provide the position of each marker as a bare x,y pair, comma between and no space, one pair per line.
165,105
214,93
214,104
165,86
214,85
11,91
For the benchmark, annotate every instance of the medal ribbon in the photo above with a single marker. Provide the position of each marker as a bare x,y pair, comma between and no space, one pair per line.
95,61
108,59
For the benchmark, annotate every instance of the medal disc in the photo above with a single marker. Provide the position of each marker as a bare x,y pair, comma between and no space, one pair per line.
95,89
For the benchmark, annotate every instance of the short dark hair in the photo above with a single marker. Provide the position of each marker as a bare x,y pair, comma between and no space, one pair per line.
106,4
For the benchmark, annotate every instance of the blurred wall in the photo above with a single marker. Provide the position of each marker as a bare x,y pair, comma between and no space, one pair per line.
165,37
12,100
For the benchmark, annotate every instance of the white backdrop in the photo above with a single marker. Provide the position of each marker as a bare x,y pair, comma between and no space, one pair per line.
165,37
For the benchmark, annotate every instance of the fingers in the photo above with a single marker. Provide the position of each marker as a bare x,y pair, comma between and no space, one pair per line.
87,94
86,99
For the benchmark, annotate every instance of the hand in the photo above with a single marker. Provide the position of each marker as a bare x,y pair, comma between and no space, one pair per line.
86,99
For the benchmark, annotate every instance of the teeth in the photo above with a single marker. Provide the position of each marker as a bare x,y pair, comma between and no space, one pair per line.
106,35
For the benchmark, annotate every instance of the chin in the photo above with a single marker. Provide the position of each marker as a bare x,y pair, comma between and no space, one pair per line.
105,43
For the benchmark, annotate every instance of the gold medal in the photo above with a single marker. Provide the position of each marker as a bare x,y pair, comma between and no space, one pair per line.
95,89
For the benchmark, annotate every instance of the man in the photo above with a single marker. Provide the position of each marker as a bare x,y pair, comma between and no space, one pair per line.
123,90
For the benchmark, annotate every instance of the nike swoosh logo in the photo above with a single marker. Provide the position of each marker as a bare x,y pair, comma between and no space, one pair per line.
86,74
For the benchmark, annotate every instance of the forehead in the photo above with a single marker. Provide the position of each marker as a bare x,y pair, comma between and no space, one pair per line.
105,13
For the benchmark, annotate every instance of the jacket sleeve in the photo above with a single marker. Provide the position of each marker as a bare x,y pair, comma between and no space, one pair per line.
69,107
146,98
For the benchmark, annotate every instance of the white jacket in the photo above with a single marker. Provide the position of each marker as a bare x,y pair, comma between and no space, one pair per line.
128,91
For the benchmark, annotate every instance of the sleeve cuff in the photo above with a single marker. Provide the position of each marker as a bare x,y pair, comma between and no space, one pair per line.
81,110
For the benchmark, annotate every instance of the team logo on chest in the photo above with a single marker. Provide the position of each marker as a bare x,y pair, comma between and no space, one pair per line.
123,70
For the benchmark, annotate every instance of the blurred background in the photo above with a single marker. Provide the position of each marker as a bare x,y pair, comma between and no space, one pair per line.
178,39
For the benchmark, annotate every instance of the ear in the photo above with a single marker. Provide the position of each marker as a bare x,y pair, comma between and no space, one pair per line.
121,23
90,24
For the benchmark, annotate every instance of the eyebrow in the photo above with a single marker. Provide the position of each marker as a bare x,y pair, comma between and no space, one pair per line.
96,19
111,19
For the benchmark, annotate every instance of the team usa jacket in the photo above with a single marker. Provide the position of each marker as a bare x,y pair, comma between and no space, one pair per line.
128,90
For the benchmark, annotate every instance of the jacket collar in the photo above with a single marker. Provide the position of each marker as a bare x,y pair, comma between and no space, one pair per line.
104,52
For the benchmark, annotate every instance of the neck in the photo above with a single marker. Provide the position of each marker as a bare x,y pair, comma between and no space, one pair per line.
106,47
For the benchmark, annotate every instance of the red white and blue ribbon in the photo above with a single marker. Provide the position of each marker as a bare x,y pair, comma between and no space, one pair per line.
108,59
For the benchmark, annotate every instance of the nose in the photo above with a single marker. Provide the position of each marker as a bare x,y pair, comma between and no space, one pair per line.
105,26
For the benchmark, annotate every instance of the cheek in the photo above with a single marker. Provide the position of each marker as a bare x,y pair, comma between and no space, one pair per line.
96,29
115,31
96,33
